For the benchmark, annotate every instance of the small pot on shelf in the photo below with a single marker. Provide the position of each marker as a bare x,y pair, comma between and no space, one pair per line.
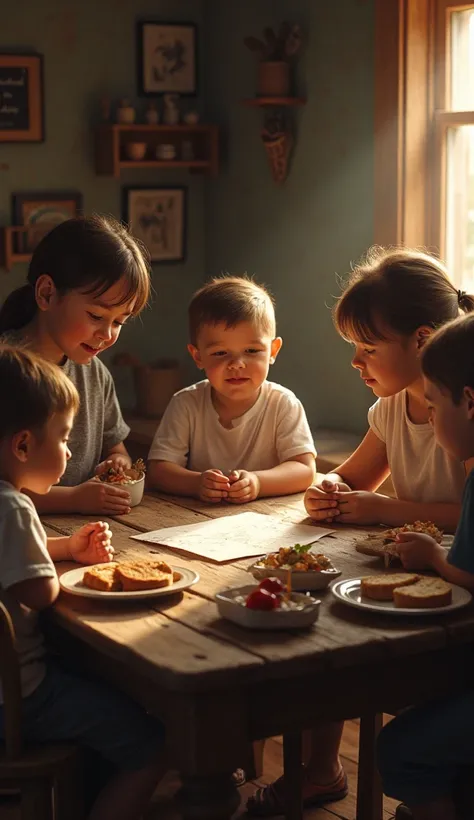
273,79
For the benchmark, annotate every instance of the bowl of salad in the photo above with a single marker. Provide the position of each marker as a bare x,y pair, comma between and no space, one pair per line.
309,570
131,479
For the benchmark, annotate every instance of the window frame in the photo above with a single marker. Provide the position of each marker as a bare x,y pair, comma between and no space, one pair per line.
412,119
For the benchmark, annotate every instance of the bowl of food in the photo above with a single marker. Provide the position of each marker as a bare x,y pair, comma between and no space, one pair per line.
131,479
267,605
309,570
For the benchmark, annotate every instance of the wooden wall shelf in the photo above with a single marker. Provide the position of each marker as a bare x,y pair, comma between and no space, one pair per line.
111,142
277,102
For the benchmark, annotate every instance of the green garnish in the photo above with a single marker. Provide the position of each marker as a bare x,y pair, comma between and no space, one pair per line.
300,549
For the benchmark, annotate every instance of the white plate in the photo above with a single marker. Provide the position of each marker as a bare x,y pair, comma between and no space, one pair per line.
299,580
348,591
72,582
257,619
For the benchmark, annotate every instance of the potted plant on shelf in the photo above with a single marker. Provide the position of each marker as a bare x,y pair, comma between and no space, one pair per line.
275,50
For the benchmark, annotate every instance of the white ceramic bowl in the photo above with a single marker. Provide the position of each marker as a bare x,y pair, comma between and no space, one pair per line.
135,487
299,580
235,611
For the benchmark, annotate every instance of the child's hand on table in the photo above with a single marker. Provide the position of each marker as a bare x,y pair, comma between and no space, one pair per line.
213,486
362,507
321,500
119,461
244,487
91,544
100,498
416,550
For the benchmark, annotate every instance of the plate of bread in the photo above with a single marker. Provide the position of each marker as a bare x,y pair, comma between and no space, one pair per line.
401,593
119,580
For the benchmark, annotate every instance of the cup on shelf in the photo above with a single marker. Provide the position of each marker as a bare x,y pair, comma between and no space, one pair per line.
165,151
135,150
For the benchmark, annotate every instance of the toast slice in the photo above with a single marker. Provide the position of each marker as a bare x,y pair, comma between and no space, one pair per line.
381,587
102,577
426,593
136,575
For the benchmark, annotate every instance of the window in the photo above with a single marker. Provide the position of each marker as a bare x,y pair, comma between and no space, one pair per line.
424,129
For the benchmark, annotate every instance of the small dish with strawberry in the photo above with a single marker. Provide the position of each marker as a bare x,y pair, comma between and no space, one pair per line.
267,606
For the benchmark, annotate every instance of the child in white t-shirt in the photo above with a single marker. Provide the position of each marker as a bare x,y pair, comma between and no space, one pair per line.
36,415
234,436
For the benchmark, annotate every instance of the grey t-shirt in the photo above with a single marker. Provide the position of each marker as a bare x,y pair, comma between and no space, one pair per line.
99,424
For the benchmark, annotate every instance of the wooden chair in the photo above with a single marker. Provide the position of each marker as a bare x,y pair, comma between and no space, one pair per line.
48,778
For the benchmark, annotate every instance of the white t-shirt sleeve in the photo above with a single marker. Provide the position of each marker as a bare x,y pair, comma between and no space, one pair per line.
293,436
172,438
377,417
23,551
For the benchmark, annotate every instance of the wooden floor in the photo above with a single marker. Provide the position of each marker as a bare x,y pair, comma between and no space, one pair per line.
163,807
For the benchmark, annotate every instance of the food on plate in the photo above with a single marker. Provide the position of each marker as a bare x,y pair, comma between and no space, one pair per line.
135,575
117,475
129,576
383,544
381,587
270,594
272,585
102,577
426,593
297,558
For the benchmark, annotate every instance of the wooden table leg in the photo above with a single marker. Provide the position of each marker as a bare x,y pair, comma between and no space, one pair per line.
292,760
208,798
369,786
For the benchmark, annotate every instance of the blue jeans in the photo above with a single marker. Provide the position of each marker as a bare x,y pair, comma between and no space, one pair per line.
423,750
66,707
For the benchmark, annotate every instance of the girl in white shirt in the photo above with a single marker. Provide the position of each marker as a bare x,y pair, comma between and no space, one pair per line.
391,304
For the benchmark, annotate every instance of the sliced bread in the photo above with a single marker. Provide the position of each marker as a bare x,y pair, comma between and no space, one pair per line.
136,575
426,593
102,577
381,587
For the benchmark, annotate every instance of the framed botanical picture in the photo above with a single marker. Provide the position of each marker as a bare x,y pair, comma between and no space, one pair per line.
157,217
42,210
167,58
21,98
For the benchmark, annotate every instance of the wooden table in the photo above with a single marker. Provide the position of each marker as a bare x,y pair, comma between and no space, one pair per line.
217,686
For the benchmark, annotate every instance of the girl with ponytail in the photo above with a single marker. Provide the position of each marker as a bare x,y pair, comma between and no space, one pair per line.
86,278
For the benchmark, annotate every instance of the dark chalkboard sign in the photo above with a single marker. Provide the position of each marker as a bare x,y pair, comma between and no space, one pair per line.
21,98
14,108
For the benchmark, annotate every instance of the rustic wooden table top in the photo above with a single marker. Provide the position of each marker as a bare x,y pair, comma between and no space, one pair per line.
218,686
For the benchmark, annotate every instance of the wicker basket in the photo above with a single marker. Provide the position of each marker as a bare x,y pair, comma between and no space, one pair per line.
278,148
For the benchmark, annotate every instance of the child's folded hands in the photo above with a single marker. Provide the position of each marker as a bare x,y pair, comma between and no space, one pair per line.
213,486
91,544
244,487
321,499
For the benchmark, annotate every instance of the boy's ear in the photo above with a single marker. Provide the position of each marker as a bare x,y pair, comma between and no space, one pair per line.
422,335
45,290
194,352
21,445
275,348
469,396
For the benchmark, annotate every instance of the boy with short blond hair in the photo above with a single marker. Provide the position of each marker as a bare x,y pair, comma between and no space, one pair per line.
233,436
37,410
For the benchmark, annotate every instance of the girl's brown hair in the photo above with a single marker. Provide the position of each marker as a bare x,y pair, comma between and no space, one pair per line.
447,358
88,254
397,290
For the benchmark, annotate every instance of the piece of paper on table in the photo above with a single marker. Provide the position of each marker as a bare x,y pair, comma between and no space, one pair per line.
234,536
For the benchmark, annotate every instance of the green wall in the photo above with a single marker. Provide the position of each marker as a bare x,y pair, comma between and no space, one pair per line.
89,50
294,238
297,237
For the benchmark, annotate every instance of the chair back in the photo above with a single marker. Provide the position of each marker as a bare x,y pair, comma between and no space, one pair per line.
11,685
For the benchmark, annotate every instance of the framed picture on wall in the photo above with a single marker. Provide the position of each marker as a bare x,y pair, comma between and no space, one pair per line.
167,58
157,217
21,98
41,211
